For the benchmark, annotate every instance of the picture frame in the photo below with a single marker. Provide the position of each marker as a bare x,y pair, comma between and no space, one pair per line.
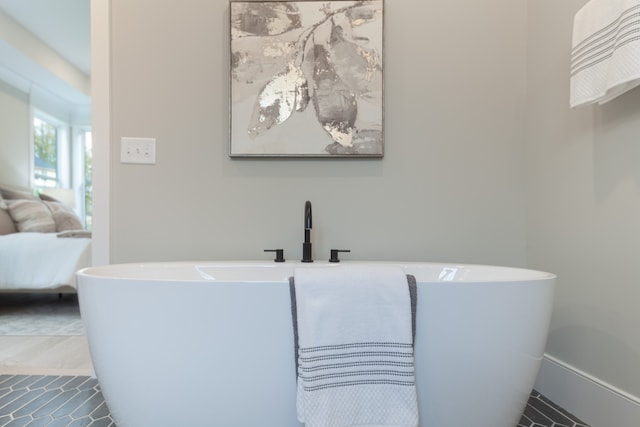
306,79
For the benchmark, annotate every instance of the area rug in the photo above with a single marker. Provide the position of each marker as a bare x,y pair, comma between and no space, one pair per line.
40,314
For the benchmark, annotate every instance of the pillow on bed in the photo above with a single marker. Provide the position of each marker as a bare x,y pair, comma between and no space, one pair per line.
31,215
64,217
66,221
8,194
7,225
47,198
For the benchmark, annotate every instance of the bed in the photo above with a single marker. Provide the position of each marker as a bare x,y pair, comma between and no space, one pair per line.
42,243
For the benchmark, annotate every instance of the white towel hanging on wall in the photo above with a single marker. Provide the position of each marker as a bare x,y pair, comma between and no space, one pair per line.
605,51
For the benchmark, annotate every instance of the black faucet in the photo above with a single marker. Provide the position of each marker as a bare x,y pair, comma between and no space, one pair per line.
306,246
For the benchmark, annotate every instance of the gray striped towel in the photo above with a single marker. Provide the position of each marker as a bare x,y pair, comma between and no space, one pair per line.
605,51
354,329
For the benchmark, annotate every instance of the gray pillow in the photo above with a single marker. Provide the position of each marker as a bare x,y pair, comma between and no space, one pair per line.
31,216
8,194
7,225
64,217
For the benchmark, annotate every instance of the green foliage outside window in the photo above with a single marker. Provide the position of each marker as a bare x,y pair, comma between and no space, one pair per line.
45,147
45,141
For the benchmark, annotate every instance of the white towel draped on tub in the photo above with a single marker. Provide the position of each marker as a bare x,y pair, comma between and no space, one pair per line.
355,347
605,56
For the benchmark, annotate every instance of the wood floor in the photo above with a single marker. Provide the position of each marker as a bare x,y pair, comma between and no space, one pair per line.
45,355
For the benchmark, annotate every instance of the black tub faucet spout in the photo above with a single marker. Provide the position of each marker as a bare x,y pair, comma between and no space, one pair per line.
306,246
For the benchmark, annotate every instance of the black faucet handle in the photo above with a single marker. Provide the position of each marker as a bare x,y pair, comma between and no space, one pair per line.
307,215
279,254
334,254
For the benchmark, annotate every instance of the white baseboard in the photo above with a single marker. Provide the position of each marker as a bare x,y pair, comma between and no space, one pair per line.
593,401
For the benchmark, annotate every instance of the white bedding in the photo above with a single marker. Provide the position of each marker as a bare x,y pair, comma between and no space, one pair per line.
32,261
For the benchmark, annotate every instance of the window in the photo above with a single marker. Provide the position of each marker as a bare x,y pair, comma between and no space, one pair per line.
87,174
45,149
62,160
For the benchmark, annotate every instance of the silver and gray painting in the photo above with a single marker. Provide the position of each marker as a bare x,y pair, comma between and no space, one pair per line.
306,78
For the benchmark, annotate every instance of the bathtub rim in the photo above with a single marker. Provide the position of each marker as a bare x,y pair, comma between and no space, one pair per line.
125,270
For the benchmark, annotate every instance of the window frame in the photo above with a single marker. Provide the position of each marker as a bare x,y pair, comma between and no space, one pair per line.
71,143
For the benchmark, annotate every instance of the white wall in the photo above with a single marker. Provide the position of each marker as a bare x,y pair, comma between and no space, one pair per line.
450,186
14,136
583,210
29,60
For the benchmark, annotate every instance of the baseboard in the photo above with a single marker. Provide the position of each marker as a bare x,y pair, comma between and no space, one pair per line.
593,401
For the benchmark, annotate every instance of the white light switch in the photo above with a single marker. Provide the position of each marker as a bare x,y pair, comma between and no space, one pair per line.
138,150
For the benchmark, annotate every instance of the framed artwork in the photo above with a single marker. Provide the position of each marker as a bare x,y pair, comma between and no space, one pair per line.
306,79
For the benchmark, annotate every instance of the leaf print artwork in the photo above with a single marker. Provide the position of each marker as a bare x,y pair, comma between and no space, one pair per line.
306,79
282,95
336,105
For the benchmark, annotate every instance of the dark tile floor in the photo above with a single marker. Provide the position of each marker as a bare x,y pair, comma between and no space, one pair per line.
541,412
52,401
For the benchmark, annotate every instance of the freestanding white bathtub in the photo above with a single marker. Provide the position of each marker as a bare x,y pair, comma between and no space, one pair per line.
211,344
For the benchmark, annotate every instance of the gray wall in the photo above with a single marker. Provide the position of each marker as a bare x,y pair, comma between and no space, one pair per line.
465,143
450,187
583,210
14,136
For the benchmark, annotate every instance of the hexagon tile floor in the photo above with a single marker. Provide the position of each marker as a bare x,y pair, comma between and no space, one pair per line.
54,401
541,412
45,400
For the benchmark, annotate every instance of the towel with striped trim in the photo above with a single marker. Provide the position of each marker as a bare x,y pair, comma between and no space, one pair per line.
605,54
354,329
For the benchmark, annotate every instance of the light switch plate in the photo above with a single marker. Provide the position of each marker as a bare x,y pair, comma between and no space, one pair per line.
138,150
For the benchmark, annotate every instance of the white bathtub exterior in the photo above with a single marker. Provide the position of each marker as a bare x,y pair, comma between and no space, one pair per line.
211,344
